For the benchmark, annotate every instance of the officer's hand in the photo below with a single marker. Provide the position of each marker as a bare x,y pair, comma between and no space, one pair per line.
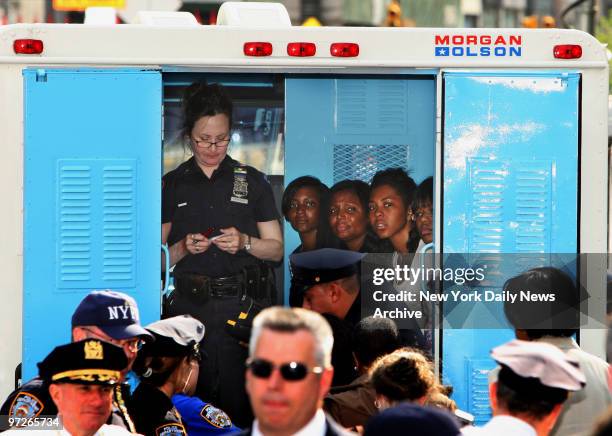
196,243
229,241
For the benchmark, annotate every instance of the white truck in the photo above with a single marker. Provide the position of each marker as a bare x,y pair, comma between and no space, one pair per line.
89,117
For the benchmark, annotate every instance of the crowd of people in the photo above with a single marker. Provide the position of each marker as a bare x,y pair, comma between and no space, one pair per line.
225,359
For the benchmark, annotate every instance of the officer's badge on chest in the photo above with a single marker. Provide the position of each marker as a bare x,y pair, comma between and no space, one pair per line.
240,190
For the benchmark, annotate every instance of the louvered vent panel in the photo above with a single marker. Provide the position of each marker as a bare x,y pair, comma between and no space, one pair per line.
362,161
488,179
392,105
74,225
373,107
119,216
351,104
533,207
478,389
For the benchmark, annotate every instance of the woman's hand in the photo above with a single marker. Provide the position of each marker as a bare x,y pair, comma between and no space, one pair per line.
196,243
229,241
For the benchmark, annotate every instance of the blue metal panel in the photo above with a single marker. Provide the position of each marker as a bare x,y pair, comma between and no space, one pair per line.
510,183
92,196
351,127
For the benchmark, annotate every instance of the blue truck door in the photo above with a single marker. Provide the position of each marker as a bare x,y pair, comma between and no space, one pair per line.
350,127
510,185
92,196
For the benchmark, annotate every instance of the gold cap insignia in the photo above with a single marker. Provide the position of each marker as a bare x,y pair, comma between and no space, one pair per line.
93,350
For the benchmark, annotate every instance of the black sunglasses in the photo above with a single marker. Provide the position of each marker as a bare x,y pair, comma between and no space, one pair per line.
290,371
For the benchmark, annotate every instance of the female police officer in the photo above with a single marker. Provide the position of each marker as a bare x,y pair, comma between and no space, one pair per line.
221,223
168,370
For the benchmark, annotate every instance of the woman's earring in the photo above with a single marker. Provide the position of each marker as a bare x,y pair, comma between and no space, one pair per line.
377,404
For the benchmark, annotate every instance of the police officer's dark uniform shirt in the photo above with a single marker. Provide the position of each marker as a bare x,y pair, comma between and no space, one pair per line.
193,203
154,414
202,419
32,399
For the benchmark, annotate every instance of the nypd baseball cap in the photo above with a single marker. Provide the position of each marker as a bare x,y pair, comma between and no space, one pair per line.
115,313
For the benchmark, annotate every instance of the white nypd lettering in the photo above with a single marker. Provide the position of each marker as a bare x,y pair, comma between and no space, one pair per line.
122,312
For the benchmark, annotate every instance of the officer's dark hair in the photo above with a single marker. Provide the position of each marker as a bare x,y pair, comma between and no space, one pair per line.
404,375
156,361
551,318
373,338
526,396
204,100
423,196
405,187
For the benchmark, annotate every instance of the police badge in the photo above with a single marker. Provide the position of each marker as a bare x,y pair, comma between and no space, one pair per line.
25,405
240,190
215,417
173,429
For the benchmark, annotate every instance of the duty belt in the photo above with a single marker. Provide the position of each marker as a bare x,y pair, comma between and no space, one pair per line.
201,286
255,281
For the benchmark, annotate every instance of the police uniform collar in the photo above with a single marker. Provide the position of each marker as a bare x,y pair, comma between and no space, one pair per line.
226,164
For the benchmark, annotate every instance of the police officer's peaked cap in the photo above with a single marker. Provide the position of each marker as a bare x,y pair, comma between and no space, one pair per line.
424,421
177,336
324,265
115,313
90,361
544,362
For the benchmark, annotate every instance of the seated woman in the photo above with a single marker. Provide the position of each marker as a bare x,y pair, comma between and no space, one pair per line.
168,370
404,375
348,217
391,194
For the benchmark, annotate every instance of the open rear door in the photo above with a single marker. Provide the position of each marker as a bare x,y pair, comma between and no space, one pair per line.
510,185
92,196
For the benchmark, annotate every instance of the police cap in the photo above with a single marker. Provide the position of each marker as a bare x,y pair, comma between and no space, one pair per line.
423,421
90,361
115,313
177,336
324,265
546,363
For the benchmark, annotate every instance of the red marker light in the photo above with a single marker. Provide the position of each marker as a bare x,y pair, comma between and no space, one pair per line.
257,49
301,49
344,49
567,51
28,46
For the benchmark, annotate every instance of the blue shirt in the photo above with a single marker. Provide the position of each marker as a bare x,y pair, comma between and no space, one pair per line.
201,418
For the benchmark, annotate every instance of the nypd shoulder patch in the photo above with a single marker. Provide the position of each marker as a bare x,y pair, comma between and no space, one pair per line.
215,417
25,405
171,429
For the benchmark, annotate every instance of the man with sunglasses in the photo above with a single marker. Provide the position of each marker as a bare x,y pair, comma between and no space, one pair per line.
289,373
106,315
